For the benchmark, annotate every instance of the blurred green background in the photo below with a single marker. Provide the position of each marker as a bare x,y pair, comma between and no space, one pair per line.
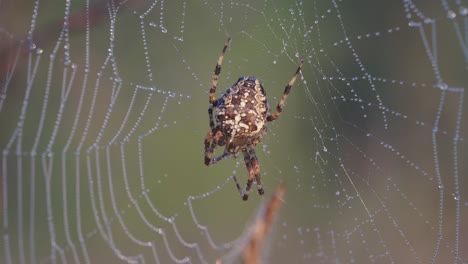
95,169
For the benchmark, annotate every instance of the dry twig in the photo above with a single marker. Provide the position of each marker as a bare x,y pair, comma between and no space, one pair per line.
261,228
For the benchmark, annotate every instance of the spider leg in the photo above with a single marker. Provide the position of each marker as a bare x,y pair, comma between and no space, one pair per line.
256,167
279,108
253,167
220,142
208,149
210,115
239,189
217,71
221,157
245,195
212,140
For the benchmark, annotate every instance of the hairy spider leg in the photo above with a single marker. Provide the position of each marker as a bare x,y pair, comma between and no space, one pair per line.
287,89
211,141
256,168
253,167
220,157
248,186
208,151
217,71
239,189
226,153
210,115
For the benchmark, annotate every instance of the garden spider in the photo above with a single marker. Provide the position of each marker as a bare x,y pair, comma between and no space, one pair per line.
241,115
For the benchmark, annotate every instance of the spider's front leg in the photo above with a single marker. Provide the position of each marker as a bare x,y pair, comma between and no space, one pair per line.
213,139
253,167
210,116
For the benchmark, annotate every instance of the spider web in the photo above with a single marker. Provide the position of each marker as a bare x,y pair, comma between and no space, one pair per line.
103,112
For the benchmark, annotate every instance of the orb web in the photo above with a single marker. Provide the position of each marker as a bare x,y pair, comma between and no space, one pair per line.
103,112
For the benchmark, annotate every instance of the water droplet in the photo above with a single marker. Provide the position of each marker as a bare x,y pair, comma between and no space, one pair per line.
463,11
451,14
442,86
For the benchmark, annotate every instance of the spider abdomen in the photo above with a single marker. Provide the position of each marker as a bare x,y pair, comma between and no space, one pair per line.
242,111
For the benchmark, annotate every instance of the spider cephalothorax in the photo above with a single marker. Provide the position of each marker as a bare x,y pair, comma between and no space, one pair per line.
241,115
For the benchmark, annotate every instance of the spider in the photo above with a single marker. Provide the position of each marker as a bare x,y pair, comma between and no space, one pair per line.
241,115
